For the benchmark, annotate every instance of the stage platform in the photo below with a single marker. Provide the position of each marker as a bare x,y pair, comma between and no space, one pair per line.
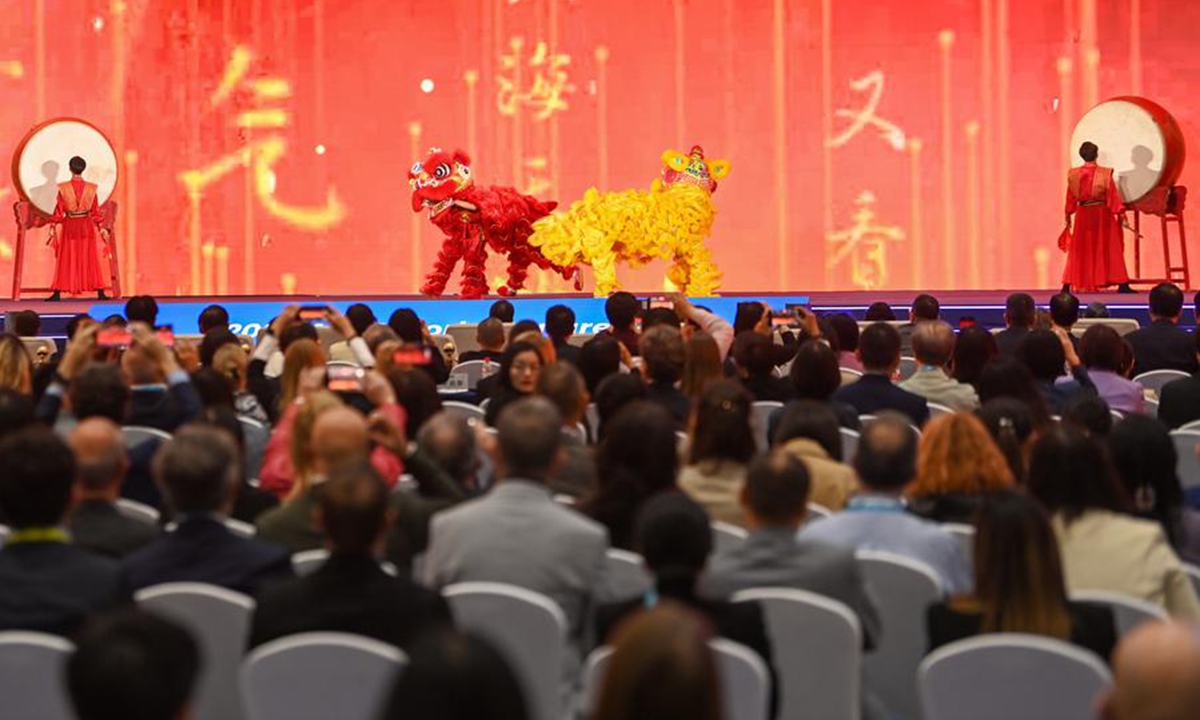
249,314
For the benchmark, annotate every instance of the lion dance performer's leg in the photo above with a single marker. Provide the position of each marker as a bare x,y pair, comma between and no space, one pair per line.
474,274
443,267
519,260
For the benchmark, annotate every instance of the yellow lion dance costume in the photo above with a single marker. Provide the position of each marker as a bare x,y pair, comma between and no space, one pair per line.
670,222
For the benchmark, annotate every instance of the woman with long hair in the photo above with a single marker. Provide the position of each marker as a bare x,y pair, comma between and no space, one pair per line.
721,446
1145,458
16,367
517,377
1005,376
1019,586
300,356
958,466
1103,547
1010,424
635,461
232,362
973,349
702,365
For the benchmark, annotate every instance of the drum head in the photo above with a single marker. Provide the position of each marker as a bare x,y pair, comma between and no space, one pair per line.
41,160
1139,140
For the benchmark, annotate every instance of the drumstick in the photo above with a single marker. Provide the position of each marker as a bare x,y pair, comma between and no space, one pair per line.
1125,224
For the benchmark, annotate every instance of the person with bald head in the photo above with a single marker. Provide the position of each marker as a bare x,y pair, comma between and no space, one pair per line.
101,464
933,343
1156,674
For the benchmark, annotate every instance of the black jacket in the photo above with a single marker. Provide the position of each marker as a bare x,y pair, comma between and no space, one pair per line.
671,398
202,549
875,393
98,526
768,388
1092,626
1008,339
349,594
1161,345
53,587
1179,402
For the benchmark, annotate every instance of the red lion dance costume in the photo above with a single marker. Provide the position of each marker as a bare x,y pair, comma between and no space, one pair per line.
473,219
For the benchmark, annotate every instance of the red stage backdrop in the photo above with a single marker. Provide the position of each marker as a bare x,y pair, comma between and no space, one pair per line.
875,144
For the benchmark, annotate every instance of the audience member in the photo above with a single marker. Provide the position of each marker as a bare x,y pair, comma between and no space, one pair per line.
143,309
1090,413
662,367
416,393
661,668
933,343
1179,400
517,534
575,475
656,316
450,676
599,359
675,538
775,498
16,412
1162,345
213,388
161,394
1145,460
1103,548
815,376
809,432
1046,354
846,329
133,666
1154,674
701,365
879,311
1096,310
616,392
25,323
1006,377
212,317
1010,424
1064,313
250,501
1101,350
232,362
636,460
958,467
879,351
755,358
925,308
1019,586
213,341
701,321
502,310
876,520
1019,315
560,326
721,445
491,340
350,592
49,584
973,349
517,378
448,440
95,522
16,367
197,470
622,310
414,333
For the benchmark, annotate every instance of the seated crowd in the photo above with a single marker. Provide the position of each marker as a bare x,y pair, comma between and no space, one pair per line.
131,464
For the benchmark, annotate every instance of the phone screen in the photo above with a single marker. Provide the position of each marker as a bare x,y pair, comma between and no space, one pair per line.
114,337
413,356
313,312
345,379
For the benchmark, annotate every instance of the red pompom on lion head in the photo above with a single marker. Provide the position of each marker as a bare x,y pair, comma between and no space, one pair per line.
436,179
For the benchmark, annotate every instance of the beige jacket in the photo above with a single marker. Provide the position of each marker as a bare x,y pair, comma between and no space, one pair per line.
1103,550
832,482
717,485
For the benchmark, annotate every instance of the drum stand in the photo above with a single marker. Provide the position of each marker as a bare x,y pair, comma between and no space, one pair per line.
29,217
1168,205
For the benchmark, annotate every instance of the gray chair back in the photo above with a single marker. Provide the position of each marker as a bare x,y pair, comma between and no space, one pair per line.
625,575
135,435
138,511
474,371
1187,465
318,676
1155,379
849,444
256,436
219,619
1128,612
726,536
472,413
33,676
1010,675
760,416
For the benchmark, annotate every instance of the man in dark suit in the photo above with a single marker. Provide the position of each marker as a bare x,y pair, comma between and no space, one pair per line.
490,336
879,352
560,326
95,523
1019,316
675,538
350,592
776,500
197,470
1179,401
46,583
1162,345
662,354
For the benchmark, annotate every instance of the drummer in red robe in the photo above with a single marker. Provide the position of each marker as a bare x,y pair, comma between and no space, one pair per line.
78,211
1095,248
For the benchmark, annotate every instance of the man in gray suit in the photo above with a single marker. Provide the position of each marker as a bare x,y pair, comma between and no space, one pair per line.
776,500
517,534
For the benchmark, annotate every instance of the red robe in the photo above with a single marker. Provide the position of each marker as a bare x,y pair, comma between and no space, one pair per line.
1096,257
78,266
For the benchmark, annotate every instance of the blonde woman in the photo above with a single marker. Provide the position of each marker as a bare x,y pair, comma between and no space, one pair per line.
16,367
958,466
233,362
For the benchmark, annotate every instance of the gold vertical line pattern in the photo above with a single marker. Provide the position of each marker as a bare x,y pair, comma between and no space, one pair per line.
949,250
1091,53
249,241
487,52
517,148
415,224
222,270
779,55
1135,46
39,59
207,253
555,130
117,101
826,132
602,116
680,77
193,144
129,261
916,236
1066,114
471,78
499,46
1003,76
319,68
730,80
987,133
195,198
974,211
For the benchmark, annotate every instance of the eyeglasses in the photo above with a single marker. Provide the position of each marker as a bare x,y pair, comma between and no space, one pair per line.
526,368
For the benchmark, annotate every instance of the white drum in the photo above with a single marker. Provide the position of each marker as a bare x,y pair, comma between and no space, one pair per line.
40,161
1138,139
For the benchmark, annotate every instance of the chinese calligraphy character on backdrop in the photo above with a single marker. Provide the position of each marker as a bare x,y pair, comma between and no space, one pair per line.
864,245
